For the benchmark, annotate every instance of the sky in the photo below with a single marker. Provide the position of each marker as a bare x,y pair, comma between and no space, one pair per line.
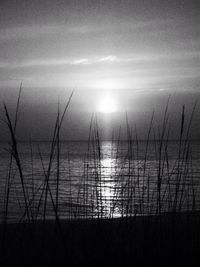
132,53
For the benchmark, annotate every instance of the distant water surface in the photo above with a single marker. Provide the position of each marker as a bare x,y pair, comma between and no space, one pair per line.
105,179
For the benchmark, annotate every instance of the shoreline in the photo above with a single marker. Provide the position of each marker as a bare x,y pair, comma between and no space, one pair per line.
162,216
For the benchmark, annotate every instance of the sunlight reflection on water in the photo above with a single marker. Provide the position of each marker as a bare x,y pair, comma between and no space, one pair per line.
112,179
107,184
108,164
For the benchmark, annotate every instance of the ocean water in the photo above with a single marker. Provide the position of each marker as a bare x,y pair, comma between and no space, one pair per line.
99,179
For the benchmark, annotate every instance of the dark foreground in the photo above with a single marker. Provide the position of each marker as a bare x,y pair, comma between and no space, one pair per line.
168,240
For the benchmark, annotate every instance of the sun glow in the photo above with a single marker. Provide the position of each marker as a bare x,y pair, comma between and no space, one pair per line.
107,105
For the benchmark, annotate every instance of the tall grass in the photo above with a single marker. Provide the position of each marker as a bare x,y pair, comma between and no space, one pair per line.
133,188
129,178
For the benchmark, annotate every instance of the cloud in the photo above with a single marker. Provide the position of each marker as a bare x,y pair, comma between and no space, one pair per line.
43,63
82,61
148,58
34,63
108,58
37,31
57,62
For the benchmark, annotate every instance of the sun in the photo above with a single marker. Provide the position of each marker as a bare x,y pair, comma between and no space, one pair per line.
107,105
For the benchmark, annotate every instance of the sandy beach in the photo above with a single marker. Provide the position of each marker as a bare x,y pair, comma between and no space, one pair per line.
167,240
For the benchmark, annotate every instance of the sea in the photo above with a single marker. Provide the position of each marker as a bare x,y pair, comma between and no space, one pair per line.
98,179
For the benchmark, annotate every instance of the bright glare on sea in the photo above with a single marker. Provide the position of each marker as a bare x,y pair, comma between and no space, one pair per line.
109,179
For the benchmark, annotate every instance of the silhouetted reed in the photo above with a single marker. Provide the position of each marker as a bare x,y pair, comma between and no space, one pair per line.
124,184
135,191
